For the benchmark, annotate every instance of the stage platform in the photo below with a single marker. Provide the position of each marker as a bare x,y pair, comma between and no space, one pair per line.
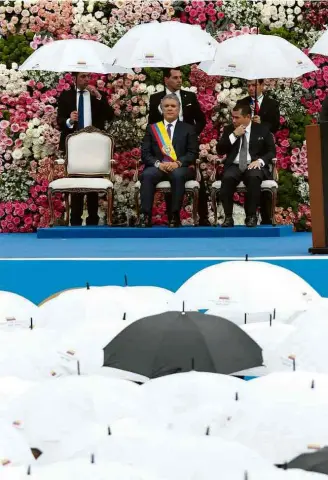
37,267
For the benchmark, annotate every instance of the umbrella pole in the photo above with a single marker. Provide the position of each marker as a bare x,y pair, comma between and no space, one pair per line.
208,429
78,368
31,324
274,314
125,280
270,320
88,286
312,384
28,470
245,318
92,459
193,364
236,397
109,432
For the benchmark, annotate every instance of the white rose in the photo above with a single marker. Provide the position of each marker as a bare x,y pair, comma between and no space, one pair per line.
266,20
300,3
29,133
17,154
226,84
218,87
99,14
297,10
35,133
273,10
143,110
290,24
26,152
159,87
151,89
36,122
41,140
300,18
22,136
289,11
193,89
290,3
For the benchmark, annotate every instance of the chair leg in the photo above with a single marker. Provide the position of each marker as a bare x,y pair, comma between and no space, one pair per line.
67,209
274,203
137,204
109,207
195,207
214,206
51,208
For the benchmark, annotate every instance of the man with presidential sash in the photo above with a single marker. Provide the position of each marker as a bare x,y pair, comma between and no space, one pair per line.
169,149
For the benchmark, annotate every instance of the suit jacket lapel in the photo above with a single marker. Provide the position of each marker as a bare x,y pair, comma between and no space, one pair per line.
176,134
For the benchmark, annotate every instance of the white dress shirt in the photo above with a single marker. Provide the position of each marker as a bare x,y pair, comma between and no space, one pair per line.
178,94
87,108
233,139
166,123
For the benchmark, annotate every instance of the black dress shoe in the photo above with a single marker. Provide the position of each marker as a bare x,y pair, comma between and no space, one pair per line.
228,222
251,221
145,221
175,221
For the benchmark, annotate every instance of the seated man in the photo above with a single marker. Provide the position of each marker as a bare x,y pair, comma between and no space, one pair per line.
249,148
168,151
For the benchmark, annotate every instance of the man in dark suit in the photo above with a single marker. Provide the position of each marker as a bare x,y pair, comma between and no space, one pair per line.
161,166
81,107
190,112
249,149
265,110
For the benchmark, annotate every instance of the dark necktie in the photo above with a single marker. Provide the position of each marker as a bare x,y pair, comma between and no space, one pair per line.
243,154
80,123
168,129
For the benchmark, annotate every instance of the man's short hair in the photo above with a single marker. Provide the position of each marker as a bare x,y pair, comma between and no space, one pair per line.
167,71
259,81
244,108
171,96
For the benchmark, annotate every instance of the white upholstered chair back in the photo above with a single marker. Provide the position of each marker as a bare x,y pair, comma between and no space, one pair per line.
89,153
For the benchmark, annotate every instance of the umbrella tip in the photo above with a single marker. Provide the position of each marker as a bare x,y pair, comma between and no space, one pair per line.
125,280
270,320
92,459
312,384
88,285
78,368
193,364
246,475
236,396
28,470
109,432
124,316
245,318
246,257
31,324
208,430
183,307
274,314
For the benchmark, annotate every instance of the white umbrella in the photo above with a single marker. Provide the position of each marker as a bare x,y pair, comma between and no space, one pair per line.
16,311
179,457
258,56
73,55
321,45
165,44
14,449
257,286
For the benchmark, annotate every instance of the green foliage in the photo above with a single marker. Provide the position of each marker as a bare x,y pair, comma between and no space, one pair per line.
155,75
15,48
288,195
297,124
290,35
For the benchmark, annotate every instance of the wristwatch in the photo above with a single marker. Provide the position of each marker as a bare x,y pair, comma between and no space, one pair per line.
157,163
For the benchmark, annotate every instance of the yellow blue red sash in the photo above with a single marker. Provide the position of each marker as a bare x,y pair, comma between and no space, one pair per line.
164,142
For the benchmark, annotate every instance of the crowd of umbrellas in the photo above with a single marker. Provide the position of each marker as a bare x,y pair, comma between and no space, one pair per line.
138,382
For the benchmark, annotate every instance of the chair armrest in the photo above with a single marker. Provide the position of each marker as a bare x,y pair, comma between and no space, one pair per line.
213,174
275,174
112,173
198,175
136,172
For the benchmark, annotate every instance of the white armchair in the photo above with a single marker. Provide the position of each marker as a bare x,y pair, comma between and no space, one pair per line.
88,168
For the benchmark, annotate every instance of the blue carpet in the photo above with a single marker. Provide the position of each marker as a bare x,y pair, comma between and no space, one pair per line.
29,246
164,232
37,268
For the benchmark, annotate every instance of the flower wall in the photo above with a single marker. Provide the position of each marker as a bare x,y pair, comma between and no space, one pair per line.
29,134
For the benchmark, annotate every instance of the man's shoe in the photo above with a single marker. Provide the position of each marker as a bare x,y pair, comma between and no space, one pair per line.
251,221
145,221
175,221
228,222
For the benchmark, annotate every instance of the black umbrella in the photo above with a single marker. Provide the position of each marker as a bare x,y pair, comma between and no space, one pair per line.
311,462
175,342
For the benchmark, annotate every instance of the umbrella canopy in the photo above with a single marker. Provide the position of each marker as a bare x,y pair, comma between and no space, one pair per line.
165,44
257,286
175,342
73,55
258,56
321,45
312,462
